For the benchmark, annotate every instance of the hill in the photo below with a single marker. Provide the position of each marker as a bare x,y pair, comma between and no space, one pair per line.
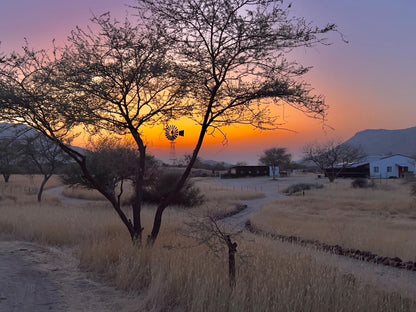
11,131
385,142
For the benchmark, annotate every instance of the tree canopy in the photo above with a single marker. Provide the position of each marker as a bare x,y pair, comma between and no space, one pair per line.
332,156
275,157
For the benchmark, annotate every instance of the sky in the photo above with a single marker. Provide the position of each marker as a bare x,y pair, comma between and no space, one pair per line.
368,82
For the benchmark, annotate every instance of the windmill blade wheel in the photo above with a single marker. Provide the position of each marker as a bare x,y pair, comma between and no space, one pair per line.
171,132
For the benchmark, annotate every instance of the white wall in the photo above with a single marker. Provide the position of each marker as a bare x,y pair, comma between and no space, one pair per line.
392,162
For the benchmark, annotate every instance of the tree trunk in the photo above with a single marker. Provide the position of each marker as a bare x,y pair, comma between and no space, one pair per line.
6,177
204,127
232,249
157,222
81,160
42,185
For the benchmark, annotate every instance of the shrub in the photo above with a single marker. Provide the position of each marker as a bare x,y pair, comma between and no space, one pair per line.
302,187
361,183
188,196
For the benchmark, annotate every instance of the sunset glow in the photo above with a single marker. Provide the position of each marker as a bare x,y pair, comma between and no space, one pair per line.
367,82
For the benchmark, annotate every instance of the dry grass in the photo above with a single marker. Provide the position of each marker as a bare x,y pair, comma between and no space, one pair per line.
380,220
83,193
175,275
24,186
218,199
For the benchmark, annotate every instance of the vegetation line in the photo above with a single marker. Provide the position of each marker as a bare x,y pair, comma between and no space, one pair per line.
357,254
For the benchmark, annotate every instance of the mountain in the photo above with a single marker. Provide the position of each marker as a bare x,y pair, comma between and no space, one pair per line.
386,142
11,131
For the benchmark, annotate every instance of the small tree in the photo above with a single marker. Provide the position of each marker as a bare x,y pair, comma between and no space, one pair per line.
332,157
208,231
111,164
44,155
10,149
274,158
10,156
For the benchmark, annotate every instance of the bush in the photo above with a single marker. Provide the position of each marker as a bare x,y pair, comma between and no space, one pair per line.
361,183
302,187
189,195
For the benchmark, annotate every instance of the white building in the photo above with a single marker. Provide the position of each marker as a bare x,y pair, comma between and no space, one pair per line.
396,166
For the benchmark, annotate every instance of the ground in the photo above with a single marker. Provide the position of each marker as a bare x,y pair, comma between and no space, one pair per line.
38,278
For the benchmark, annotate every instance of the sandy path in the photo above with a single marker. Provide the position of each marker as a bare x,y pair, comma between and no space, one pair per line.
58,193
272,190
36,278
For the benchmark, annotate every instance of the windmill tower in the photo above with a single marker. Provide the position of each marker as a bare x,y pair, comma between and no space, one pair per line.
172,133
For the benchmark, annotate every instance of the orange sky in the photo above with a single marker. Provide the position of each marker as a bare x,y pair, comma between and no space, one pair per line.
368,83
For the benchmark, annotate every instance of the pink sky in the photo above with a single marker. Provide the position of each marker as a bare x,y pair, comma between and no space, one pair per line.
368,82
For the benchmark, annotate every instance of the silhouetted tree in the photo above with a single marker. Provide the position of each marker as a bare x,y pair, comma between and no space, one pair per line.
11,155
43,154
233,57
276,157
112,163
116,78
332,157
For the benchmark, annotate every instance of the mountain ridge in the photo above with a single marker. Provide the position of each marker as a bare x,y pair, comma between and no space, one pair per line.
385,142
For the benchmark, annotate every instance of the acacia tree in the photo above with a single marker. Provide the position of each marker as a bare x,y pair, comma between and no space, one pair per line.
234,55
10,149
332,157
275,157
116,79
10,155
39,152
123,82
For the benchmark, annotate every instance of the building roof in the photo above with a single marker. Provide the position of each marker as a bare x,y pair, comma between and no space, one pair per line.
369,159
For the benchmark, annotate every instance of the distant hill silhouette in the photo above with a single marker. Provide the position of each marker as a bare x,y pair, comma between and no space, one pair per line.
8,130
386,142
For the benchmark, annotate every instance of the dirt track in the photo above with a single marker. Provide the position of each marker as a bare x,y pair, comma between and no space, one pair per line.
37,279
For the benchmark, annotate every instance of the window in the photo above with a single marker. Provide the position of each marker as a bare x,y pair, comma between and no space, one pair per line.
405,169
389,169
375,169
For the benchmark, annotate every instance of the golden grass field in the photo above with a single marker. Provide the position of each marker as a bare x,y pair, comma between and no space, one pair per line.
380,219
177,275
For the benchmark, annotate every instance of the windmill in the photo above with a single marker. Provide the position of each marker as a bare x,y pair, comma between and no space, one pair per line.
172,132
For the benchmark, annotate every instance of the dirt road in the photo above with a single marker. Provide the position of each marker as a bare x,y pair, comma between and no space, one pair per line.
272,190
58,193
34,278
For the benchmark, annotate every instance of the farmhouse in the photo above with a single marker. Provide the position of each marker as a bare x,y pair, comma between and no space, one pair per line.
382,167
394,166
